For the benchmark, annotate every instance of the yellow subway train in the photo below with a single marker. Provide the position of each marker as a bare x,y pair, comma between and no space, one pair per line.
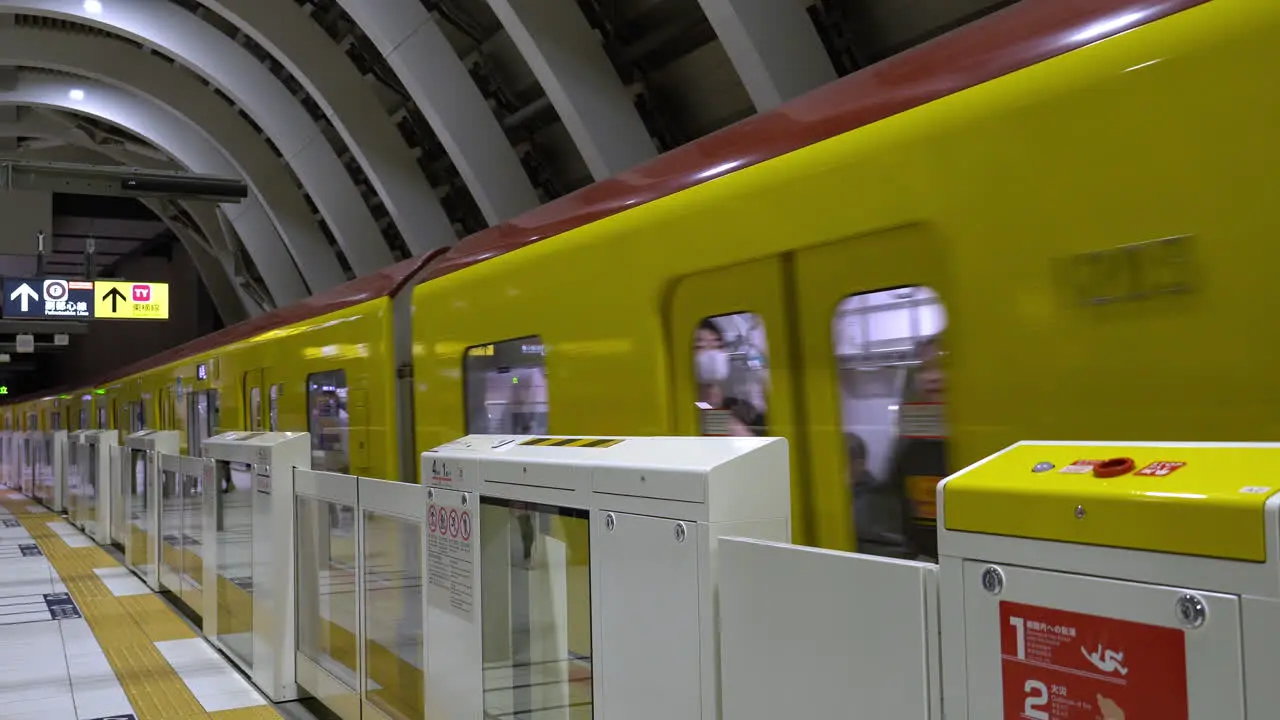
1049,224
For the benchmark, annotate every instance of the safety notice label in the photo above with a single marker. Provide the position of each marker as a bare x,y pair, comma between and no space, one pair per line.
1059,665
450,568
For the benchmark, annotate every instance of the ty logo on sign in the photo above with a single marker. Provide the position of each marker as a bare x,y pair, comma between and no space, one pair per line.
142,293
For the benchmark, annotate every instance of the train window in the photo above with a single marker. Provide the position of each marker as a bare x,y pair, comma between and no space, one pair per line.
84,419
102,417
55,422
327,420
273,407
253,402
731,369
255,408
203,407
889,355
506,387
33,422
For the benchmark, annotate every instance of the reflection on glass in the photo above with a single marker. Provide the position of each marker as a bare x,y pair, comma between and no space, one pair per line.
328,421
731,368
506,387
393,615
191,543
327,619
89,492
235,558
536,610
138,523
888,348
170,532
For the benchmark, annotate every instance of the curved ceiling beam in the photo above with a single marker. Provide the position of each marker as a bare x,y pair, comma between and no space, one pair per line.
421,56
566,56
232,69
285,29
169,86
178,138
774,47
212,267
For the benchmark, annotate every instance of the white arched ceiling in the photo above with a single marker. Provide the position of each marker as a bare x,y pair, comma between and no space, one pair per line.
565,54
212,263
774,47
287,31
232,69
180,139
421,56
170,86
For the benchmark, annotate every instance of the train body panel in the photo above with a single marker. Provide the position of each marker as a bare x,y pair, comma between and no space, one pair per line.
332,375
1027,204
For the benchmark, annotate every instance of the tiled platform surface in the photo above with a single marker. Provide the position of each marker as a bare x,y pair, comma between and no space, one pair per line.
117,651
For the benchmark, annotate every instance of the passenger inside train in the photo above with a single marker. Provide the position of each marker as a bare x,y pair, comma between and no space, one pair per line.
731,365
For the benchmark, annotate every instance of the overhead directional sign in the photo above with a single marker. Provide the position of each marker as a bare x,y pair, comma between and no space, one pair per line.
130,300
47,298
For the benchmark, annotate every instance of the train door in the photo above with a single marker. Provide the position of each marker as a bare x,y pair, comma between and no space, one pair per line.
255,401
733,369
842,343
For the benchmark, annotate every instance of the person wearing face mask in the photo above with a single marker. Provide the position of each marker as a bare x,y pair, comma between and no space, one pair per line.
711,363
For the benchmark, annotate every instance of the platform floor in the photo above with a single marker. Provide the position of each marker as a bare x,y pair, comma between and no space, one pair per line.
81,638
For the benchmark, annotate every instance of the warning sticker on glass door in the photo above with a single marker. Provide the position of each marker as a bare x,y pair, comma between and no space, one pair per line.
1059,665
450,569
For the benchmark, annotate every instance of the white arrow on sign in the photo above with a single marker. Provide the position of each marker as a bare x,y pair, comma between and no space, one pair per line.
26,294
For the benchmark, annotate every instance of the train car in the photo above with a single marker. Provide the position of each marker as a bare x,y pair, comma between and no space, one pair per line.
1033,226
1048,224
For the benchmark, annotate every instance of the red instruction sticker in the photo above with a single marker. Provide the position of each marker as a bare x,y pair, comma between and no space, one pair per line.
1059,665
1081,467
1160,469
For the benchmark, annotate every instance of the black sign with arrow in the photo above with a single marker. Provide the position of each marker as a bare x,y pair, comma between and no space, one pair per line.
114,296
47,299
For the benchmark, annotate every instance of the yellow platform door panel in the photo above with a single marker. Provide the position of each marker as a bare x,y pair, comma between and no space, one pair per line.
742,296
825,277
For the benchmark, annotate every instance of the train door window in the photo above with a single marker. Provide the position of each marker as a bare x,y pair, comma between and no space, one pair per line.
33,422
328,421
273,407
84,419
203,408
889,357
506,387
55,420
253,406
731,369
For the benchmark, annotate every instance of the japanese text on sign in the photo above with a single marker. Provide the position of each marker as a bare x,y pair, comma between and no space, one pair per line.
1060,665
43,298
131,300
450,567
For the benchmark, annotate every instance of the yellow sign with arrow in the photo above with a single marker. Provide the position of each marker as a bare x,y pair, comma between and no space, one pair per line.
130,300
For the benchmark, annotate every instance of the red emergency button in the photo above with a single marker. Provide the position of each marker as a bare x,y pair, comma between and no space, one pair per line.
1115,467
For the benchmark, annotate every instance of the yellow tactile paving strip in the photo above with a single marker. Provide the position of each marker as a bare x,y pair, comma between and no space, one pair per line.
127,628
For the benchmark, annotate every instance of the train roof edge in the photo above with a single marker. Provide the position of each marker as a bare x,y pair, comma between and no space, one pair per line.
1016,37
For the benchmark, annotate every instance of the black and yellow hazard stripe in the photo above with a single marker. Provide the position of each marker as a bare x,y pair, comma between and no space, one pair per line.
573,442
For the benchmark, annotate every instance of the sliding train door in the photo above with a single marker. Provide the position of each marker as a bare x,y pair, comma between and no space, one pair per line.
733,369
839,348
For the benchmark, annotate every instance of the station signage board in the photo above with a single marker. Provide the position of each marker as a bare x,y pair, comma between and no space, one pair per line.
47,299
131,300
26,298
